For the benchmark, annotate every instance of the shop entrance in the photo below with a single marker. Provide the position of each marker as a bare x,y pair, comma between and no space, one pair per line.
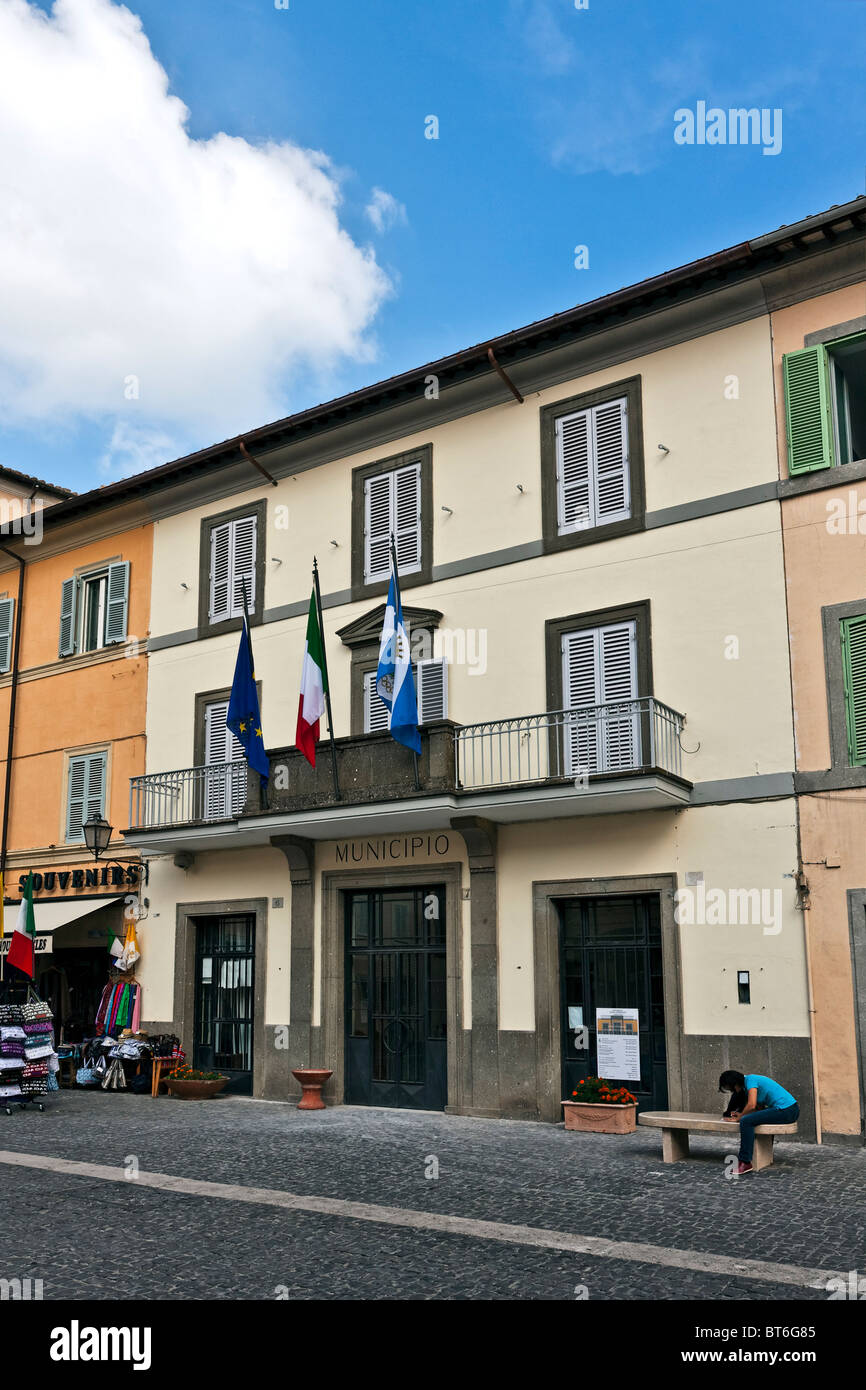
611,958
396,1007
224,974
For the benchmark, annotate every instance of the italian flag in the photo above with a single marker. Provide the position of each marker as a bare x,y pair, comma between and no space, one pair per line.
313,687
21,945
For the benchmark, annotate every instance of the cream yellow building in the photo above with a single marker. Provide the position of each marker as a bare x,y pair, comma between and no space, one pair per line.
589,524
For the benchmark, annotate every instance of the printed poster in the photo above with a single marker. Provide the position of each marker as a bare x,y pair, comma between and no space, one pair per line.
618,1044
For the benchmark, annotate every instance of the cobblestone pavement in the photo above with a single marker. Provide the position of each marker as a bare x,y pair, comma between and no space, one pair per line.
808,1210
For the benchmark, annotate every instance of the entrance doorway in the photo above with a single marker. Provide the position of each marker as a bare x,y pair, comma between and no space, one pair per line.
611,958
224,975
396,998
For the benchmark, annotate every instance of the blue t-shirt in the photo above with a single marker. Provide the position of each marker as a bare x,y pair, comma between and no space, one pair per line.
770,1093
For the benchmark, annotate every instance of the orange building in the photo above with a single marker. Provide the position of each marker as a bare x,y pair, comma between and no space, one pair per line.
75,580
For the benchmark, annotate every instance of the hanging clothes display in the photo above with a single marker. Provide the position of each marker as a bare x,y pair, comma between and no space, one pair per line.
28,1060
119,1008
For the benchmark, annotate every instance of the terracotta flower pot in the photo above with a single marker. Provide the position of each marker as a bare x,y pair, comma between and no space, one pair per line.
197,1090
312,1079
600,1119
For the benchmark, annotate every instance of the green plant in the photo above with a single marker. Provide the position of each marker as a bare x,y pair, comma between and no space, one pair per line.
596,1091
193,1074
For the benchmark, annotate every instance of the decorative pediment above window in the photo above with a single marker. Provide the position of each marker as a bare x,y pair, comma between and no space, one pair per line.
368,628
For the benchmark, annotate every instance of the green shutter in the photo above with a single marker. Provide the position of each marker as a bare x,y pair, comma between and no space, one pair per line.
854,673
117,602
7,608
86,792
807,410
68,606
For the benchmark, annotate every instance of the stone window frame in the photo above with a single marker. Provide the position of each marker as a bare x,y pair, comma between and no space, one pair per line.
638,612
259,510
632,388
202,700
363,637
423,455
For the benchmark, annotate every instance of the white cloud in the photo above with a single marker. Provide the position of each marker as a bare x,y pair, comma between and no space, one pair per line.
384,211
212,271
133,448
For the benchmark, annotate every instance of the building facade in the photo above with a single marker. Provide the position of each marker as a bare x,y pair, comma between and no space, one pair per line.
819,344
74,617
588,520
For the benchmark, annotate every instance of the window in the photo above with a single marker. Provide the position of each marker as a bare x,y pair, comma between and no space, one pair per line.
225,778
94,609
392,496
431,692
825,404
7,612
854,676
85,796
592,465
599,669
232,560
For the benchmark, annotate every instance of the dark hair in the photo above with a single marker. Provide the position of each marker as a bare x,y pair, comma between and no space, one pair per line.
730,1080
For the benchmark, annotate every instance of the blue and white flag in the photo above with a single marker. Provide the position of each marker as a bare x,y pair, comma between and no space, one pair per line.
394,680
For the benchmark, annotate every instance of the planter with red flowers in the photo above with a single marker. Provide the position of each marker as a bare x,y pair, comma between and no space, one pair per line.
601,1108
188,1083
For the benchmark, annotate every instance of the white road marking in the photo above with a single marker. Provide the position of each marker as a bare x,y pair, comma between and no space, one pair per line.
597,1246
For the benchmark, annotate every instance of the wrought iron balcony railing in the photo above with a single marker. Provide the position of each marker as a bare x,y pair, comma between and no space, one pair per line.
625,737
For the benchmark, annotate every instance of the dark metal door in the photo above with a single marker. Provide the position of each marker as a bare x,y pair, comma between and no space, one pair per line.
224,982
396,1006
611,957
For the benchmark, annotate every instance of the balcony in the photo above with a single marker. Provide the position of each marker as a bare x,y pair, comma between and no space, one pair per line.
598,759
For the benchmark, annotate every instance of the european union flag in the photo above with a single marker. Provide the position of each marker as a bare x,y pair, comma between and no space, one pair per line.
243,717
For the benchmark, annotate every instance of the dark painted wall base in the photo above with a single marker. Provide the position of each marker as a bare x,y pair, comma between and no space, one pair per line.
786,1060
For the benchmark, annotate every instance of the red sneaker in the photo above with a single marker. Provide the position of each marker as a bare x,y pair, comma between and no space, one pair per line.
744,1168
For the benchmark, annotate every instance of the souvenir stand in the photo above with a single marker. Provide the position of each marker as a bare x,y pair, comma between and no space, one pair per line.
28,1061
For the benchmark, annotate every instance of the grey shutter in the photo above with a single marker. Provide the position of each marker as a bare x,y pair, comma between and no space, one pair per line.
432,682
220,567
572,472
620,726
85,792
376,716
243,564
7,610
117,602
225,787
580,688
610,454
68,616
378,525
407,518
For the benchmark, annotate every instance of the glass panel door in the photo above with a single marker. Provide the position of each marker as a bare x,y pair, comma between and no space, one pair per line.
225,974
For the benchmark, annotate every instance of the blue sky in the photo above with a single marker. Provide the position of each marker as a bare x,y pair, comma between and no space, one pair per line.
555,129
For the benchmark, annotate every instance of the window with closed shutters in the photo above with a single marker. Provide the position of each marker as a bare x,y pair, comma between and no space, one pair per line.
232,566
854,674
599,682
392,503
225,776
592,467
85,794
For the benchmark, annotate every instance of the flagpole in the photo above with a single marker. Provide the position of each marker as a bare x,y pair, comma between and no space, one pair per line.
337,794
399,597
263,787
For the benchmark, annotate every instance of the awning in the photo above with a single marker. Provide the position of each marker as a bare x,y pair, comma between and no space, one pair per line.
51,916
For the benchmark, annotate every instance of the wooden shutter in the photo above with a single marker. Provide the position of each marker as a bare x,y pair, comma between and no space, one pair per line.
68,616
225,788
854,673
117,602
243,564
572,472
610,456
592,466
376,715
599,666
807,410
407,514
7,610
220,572
85,792
432,688
378,525
619,728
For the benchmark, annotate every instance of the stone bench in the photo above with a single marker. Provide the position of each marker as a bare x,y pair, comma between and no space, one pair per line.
676,1126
